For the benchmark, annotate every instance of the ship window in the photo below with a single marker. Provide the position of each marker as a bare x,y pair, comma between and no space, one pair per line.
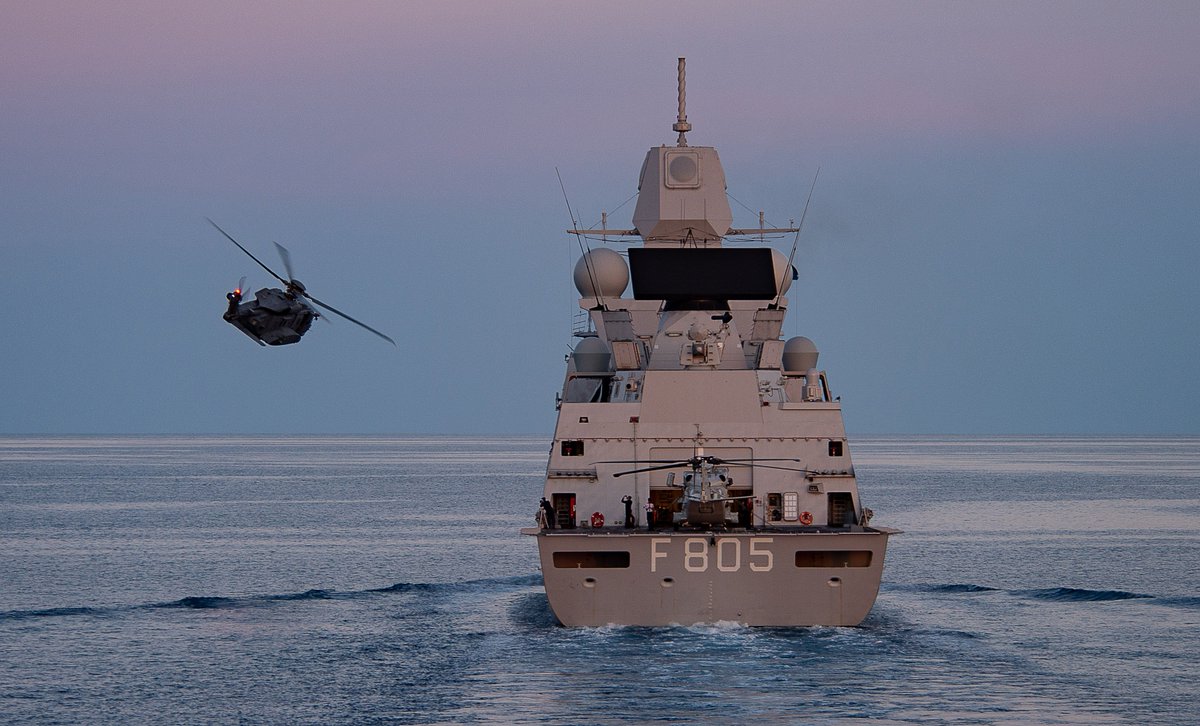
775,506
852,558
791,506
835,448
572,448
591,560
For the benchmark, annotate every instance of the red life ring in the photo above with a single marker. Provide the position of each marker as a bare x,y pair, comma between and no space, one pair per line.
597,520
806,518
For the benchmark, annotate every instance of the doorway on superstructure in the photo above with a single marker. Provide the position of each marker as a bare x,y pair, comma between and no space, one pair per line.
564,509
841,509
742,505
666,502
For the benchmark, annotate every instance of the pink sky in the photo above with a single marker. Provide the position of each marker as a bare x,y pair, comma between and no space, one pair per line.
995,176
975,68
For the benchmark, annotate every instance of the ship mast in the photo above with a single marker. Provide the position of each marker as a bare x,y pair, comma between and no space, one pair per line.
681,123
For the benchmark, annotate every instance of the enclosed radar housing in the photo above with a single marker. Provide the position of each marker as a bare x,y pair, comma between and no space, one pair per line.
681,192
601,272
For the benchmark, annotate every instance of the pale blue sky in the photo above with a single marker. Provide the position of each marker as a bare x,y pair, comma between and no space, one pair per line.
1004,237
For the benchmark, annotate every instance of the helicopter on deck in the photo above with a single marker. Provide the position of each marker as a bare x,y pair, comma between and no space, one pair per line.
705,500
275,316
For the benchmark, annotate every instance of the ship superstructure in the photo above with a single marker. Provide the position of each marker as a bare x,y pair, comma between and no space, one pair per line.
700,470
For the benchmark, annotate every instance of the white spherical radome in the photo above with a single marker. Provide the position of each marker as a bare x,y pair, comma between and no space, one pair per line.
601,272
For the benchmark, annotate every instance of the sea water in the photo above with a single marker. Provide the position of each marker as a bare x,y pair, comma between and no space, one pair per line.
363,580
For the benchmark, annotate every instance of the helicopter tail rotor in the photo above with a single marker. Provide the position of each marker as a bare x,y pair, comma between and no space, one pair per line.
235,298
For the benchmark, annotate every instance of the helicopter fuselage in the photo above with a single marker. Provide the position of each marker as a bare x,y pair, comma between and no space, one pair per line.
273,317
278,317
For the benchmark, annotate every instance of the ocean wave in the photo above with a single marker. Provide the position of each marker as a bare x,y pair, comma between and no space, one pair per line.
1189,602
532,610
199,602
1061,594
219,602
952,587
406,587
50,613
215,602
306,595
964,587
487,583
1074,594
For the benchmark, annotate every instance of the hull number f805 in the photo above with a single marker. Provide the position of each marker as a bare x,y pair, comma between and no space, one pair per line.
727,555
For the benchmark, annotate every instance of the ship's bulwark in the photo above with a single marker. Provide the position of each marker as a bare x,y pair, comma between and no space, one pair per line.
767,578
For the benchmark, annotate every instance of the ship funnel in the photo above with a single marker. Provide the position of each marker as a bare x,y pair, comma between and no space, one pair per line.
681,193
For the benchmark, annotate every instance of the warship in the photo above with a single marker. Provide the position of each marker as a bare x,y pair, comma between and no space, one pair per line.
700,471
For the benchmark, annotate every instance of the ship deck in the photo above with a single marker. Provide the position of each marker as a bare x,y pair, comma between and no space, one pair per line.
694,532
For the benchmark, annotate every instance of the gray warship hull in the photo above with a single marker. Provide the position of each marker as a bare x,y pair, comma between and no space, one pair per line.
764,578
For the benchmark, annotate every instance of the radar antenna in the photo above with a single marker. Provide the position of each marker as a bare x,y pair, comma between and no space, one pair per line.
681,124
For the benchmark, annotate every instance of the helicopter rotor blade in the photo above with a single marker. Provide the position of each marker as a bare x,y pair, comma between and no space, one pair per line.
316,313
694,464
768,466
680,462
243,249
241,288
717,460
359,323
676,465
287,259
753,464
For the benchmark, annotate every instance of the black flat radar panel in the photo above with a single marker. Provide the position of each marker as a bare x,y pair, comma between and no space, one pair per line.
674,273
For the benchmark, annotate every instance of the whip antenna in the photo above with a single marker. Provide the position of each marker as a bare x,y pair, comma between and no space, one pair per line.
796,239
587,261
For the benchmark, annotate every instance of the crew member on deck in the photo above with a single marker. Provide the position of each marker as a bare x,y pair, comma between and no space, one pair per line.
548,511
649,514
628,502
745,514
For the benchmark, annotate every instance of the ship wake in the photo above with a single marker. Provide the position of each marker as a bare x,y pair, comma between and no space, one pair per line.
1052,594
219,602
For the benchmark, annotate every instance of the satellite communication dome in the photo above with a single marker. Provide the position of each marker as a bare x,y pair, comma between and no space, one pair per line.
606,268
799,355
783,271
592,356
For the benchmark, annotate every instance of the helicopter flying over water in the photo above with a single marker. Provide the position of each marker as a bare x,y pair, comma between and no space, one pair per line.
278,316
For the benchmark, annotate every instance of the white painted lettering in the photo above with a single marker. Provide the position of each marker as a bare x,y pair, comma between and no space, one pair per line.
695,554
655,555
755,551
728,554
737,554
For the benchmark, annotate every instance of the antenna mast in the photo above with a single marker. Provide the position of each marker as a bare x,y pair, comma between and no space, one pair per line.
681,123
